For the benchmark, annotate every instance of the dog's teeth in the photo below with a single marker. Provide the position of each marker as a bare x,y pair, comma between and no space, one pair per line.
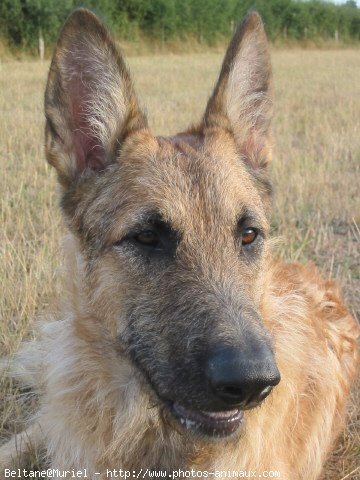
189,423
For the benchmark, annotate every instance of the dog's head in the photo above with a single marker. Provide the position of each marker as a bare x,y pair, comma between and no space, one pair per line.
173,230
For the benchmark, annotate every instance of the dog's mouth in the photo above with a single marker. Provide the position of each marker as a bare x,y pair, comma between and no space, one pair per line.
212,424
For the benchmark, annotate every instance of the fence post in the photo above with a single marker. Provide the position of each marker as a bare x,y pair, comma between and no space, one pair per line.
41,45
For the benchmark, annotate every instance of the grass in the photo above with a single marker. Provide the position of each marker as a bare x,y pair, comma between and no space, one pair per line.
315,172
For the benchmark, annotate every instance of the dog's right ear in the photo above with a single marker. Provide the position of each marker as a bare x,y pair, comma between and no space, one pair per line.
90,104
242,100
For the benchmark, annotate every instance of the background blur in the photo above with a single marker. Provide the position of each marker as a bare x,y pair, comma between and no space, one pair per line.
203,22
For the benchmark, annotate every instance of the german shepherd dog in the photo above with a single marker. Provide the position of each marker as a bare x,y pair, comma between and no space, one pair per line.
182,344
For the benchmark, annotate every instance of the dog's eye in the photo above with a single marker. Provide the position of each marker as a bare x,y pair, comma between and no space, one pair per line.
248,236
148,238
153,238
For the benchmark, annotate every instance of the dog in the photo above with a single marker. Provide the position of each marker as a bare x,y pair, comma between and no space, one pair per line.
183,344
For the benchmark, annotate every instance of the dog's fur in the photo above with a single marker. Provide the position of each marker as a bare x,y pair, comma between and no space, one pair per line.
135,324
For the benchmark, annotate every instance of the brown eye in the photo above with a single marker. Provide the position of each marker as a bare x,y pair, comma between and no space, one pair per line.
148,238
248,236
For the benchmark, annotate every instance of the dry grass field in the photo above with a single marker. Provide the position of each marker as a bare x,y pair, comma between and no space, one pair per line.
316,174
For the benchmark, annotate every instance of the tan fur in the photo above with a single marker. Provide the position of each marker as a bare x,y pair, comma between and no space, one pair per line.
97,409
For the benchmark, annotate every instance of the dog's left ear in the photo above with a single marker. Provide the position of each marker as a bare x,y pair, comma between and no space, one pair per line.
241,102
90,103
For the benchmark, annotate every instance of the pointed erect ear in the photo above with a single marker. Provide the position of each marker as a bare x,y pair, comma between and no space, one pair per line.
90,104
241,102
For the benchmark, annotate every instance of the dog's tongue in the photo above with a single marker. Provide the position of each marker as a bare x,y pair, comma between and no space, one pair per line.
197,415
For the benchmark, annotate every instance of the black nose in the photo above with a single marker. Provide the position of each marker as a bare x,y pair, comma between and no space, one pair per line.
242,377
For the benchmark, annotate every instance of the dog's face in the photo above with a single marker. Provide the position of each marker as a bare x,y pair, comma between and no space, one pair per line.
173,230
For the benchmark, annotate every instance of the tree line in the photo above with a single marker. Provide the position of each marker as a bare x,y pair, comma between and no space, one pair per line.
207,21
